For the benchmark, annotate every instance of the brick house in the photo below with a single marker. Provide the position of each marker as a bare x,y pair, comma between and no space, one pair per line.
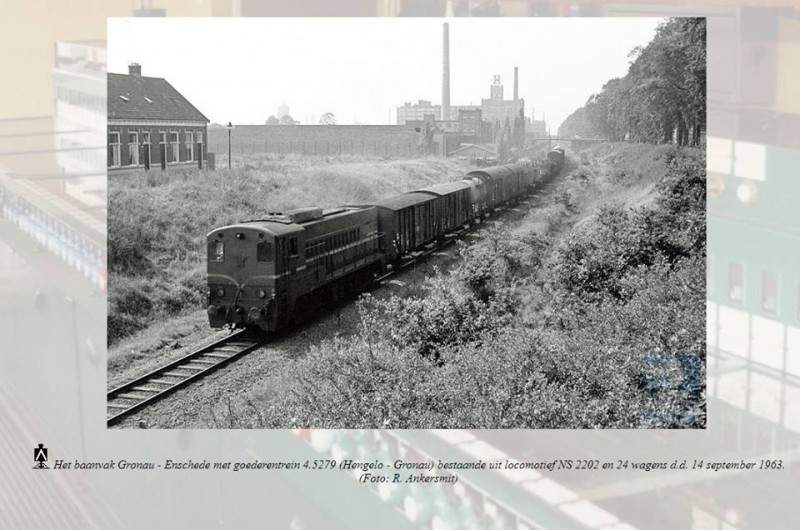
150,124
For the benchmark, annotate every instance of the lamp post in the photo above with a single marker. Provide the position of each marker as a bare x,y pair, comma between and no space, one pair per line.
229,127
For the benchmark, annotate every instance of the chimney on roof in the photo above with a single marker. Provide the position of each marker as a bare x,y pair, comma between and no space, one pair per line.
135,69
516,83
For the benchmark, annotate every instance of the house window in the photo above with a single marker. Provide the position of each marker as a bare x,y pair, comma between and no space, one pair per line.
133,149
769,292
114,154
736,282
174,146
189,142
200,147
146,146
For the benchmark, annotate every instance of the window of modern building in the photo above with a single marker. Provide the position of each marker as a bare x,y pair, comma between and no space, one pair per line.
114,152
769,292
736,283
798,302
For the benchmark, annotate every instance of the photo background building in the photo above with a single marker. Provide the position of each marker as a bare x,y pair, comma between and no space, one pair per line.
151,124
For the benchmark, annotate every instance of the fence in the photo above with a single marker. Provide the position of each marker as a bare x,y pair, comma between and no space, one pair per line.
388,149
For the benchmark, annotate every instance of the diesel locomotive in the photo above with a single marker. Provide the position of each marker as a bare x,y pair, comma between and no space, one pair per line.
263,273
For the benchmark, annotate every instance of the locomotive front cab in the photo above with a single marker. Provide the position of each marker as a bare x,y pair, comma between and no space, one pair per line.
246,277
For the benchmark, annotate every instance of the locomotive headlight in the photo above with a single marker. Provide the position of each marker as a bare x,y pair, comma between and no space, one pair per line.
262,293
220,291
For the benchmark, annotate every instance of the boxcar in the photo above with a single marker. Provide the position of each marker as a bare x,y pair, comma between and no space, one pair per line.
495,180
407,222
477,190
453,207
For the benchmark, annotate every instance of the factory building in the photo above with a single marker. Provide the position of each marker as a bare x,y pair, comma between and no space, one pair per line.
475,122
417,112
496,108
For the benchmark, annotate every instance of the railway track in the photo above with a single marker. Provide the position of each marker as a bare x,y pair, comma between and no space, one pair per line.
146,390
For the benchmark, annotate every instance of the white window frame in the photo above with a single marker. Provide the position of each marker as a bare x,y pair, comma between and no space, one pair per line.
146,141
175,148
133,153
116,149
189,142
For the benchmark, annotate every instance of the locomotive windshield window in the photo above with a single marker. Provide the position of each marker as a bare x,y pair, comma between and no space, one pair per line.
216,251
293,246
264,251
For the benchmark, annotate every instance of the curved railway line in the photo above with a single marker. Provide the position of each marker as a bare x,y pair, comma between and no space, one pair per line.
143,391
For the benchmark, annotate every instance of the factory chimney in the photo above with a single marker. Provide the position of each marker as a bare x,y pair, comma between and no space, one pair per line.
446,73
516,83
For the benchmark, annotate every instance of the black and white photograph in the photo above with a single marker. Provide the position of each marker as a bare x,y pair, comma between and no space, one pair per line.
408,223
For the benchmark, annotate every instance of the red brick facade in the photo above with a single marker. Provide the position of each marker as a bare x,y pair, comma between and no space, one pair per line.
132,145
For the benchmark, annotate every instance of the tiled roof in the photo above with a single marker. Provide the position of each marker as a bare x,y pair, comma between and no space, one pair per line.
148,98
468,147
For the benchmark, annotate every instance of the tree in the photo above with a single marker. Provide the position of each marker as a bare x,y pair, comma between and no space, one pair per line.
519,131
272,120
288,120
328,119
662,96
503,142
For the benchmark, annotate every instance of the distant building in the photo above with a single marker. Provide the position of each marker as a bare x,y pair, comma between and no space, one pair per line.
469,120
498,109
419,111
283,110
473,151
150,124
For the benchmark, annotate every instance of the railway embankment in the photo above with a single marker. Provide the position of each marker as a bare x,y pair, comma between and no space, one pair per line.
158,222
581,307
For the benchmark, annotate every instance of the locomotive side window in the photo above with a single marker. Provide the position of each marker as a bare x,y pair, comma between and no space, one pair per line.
264,251
216,251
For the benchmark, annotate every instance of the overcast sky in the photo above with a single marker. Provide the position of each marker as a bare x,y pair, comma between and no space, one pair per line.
362,69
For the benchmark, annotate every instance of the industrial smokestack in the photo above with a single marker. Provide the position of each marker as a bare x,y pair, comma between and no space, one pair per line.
446,73
516,83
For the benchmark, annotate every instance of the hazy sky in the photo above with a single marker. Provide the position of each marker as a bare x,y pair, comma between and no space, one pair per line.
362,69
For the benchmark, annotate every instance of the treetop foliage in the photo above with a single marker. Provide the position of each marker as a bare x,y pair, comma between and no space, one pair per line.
663,95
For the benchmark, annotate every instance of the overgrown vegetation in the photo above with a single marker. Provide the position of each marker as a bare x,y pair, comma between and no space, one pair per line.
589,314
663,94
158,221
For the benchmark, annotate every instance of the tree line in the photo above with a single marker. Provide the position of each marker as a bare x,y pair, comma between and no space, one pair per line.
662,98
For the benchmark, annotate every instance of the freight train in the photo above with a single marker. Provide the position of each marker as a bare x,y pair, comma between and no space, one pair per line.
265,273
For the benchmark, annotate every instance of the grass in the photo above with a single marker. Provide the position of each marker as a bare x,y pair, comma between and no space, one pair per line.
589,313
